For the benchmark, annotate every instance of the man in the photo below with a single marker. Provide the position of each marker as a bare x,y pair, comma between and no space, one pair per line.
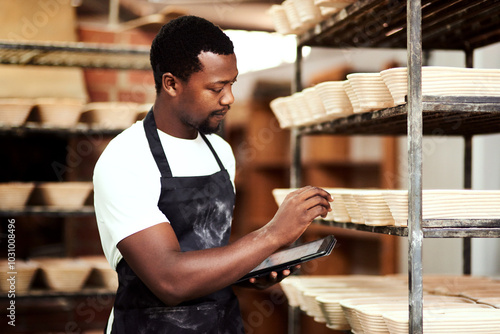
164,196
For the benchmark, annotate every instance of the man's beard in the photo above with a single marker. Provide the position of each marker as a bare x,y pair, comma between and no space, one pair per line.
205,128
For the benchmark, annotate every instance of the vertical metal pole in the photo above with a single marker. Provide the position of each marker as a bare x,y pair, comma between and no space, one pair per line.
469,58
466,250
293,320
467,242
415,236
295,178
295,168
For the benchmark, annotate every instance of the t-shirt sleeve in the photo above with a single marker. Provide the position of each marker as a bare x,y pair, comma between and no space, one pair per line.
125,200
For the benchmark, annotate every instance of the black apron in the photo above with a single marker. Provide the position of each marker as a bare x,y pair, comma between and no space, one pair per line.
199,209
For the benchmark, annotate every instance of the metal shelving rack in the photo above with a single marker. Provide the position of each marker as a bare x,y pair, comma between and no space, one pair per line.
48,294
75,54
415,25
67,54
48,212
37,128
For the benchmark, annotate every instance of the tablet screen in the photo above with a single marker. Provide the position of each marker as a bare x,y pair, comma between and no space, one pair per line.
294,255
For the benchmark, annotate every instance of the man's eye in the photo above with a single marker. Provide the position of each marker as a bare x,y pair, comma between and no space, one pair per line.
217,90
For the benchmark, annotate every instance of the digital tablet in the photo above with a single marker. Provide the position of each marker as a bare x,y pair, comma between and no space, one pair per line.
292,256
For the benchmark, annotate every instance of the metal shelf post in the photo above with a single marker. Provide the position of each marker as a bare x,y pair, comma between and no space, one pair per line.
467,242
295,168
295,175
415,235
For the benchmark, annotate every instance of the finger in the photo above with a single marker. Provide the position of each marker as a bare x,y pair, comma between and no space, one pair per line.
325,194
315,191
317,211
295,269
252,280
274,275
303,189
318,201
286,272
300,190
318,196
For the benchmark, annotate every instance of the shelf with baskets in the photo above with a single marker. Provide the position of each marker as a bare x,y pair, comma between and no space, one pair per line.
414,26
452,25
442,115
37,128
88,123
51,132
74,54
48,277
51,145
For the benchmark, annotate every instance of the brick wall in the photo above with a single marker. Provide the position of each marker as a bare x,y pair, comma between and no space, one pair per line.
118,85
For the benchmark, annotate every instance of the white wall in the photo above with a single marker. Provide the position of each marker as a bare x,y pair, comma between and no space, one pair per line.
486,175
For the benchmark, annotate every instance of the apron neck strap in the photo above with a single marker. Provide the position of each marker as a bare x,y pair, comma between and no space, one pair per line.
155,144
221,166
157,148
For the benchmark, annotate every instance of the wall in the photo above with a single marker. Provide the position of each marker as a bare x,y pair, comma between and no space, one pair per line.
117,85
486,175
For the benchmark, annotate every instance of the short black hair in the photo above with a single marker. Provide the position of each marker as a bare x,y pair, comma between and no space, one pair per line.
176,47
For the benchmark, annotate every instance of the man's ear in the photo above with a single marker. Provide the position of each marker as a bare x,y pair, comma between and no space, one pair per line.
170,83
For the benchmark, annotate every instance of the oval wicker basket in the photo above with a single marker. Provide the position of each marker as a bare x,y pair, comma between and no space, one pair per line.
15,195
21,276
65,195
64,275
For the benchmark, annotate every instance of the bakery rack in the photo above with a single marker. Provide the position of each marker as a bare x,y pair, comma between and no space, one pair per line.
74,54
66,54
415,25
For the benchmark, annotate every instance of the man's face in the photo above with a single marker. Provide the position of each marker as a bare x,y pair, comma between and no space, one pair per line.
207,95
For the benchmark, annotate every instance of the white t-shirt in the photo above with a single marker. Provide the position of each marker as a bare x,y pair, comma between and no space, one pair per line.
127,180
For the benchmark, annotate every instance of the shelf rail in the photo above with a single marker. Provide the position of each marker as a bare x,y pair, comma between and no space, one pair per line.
74,54
446,24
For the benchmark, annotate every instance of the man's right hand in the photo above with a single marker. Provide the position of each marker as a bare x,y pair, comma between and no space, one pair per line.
297,211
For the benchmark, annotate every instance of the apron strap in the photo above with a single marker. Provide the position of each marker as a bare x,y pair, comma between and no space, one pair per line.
221,166
157,148
155,145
